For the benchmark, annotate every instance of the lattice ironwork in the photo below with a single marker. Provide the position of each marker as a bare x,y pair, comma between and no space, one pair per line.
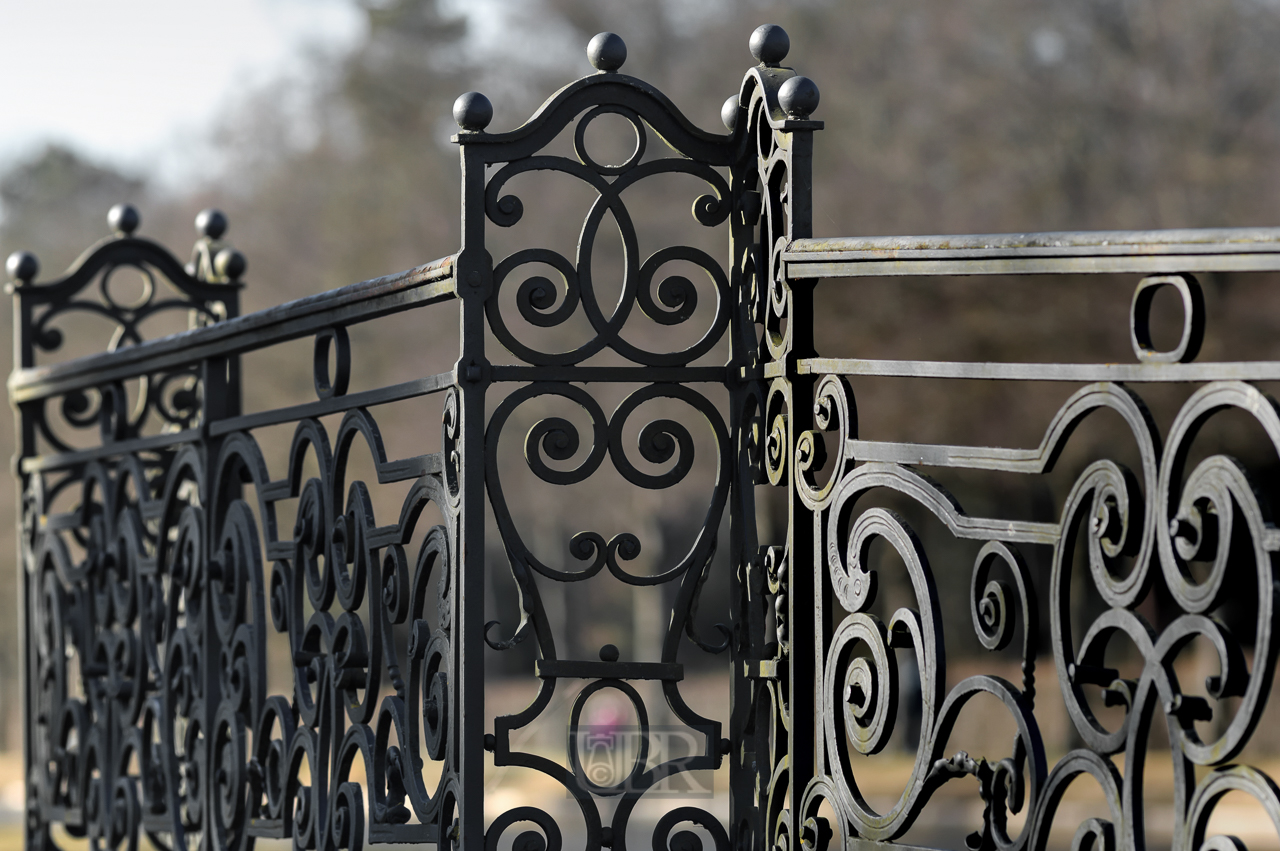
164,550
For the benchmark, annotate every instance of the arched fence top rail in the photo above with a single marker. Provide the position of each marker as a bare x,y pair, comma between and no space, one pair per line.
227,639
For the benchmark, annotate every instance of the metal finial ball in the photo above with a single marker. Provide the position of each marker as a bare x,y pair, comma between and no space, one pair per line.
609,653
211,223
229,264
729,113
22,266
473,111
798,97
607,52
124,219
770,44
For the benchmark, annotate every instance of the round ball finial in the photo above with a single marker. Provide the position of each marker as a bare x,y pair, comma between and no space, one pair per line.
211,223
609,653
607,52
798,97
229,264
22,266
124,219
729,113
770,44
473,112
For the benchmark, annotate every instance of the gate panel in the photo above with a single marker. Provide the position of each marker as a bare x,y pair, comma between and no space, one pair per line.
626,378
230,635
1160,544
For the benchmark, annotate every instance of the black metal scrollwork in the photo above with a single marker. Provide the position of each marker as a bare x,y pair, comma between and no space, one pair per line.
226,645
1136,529
658,453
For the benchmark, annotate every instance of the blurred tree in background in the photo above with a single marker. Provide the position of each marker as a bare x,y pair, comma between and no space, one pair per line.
986,116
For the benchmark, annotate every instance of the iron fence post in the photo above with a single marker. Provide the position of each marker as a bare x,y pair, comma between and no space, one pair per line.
778,135
472,375
23,268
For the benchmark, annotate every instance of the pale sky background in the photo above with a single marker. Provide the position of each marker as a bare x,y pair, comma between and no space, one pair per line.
138,83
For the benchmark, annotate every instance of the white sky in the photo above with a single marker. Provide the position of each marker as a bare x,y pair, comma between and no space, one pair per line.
134,82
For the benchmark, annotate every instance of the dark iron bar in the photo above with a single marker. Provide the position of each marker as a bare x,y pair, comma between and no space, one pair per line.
800,269
336,404
1078,373
1143,252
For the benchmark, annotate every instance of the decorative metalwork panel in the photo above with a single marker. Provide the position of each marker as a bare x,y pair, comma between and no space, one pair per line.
223,646
1186,534
232,637
700,392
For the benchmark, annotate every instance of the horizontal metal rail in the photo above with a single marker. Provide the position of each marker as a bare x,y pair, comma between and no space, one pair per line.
360,302
337,404
1145,252
1082,373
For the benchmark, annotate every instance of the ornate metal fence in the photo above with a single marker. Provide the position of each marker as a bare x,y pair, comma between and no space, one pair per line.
164,551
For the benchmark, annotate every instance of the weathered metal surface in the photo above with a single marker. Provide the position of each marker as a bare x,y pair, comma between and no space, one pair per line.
163,552
1145,252
1155,520
157,560
1072,372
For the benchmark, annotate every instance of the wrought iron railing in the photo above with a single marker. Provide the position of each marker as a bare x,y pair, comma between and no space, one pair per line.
164,552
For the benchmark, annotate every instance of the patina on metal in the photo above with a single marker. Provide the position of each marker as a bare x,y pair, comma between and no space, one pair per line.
161,549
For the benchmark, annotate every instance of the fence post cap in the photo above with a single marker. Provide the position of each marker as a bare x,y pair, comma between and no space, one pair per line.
473,112
606,52
770,44
211,223
798,97
124,219
729,112
22,266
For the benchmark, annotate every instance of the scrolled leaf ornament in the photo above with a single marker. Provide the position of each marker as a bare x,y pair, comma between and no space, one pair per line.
861,691
777,439
1198,522
229,763
537,295
451,433
347,818
548,837
991,602
712,209
1210,791
661,441
834,412
667,838
677,294
556,437
176,397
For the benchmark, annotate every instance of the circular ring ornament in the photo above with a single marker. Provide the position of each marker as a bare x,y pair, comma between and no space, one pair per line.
1192,319
328,386
580,140
581,771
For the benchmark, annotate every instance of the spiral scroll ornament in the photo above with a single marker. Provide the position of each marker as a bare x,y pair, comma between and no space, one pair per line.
667,301
172,651
1124,531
